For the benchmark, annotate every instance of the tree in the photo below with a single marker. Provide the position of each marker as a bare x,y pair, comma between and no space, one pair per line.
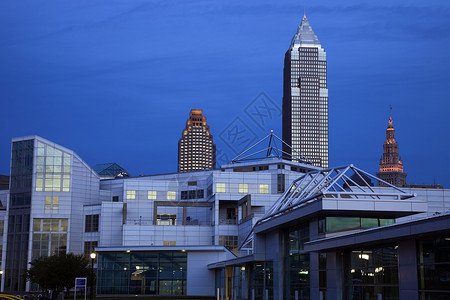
57,272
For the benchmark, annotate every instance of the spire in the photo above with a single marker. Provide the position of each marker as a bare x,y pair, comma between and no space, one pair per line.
305,35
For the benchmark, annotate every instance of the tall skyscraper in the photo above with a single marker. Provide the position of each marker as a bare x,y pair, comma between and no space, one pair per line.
305,96
196,149
391,165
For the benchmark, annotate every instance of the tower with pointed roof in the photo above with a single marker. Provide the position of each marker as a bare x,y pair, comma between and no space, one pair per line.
196,149
305,96
391,165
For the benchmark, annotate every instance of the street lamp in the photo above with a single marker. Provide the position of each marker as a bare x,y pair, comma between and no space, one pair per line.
93,255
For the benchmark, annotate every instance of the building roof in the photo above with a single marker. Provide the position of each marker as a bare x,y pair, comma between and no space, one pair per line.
110,170
305,35
337,183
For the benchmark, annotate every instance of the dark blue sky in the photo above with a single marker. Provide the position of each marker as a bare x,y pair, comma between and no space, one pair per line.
115,80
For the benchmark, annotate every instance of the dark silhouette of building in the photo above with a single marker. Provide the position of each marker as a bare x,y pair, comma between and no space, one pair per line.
391,165
305,97
196,149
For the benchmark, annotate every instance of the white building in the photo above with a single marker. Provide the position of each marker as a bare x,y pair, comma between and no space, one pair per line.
180,233
57,203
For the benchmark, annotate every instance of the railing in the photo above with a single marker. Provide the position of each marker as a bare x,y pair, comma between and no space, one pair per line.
228,222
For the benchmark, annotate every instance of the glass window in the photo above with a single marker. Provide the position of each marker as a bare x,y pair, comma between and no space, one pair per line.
91,223
171,195
371,272
51,202
263,188
243,188
220,187
131,195
49,237
166,219
151,195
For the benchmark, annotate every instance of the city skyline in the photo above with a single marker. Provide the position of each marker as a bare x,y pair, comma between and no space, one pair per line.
104,73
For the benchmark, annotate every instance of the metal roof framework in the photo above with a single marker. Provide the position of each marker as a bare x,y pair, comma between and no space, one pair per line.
327,183
110,169
271,151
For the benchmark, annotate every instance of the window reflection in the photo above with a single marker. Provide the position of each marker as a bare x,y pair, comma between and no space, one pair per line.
52,169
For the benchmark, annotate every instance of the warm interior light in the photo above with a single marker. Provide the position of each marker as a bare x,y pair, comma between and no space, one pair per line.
93,255
364,256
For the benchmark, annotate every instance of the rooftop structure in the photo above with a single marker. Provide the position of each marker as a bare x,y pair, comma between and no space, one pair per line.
110,170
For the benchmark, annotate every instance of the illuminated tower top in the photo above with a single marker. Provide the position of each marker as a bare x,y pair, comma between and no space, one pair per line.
196,149
391,165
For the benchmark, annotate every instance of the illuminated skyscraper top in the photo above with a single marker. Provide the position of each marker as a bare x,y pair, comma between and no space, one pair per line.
305,96
391,165
196,149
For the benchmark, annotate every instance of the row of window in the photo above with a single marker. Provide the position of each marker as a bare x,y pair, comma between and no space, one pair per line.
243,188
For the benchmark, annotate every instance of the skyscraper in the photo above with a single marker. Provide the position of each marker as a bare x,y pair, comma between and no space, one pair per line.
305,96
391,165
196,149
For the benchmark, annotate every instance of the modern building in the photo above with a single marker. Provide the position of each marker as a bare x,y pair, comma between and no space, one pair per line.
154,234
196,149
328,237
391,165
305,96
265,228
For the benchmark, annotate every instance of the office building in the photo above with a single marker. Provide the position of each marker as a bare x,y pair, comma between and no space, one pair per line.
305,96
391,165
196,149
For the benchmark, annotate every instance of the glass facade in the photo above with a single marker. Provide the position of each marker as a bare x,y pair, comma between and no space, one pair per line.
372,273
19,215
53,168
137,273
261,280
49,237
335,224
297,263
433,263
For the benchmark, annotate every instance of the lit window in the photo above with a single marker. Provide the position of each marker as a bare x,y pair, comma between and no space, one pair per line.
263,188
151,195
171,195
220,187
131,194
166,219
243,188
51,202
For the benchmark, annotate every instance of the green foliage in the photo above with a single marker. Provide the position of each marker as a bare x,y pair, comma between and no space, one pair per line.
57,272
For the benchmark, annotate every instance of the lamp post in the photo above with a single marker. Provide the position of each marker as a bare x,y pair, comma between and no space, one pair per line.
93,255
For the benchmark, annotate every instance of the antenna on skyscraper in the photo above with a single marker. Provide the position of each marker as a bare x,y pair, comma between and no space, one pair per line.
390,110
